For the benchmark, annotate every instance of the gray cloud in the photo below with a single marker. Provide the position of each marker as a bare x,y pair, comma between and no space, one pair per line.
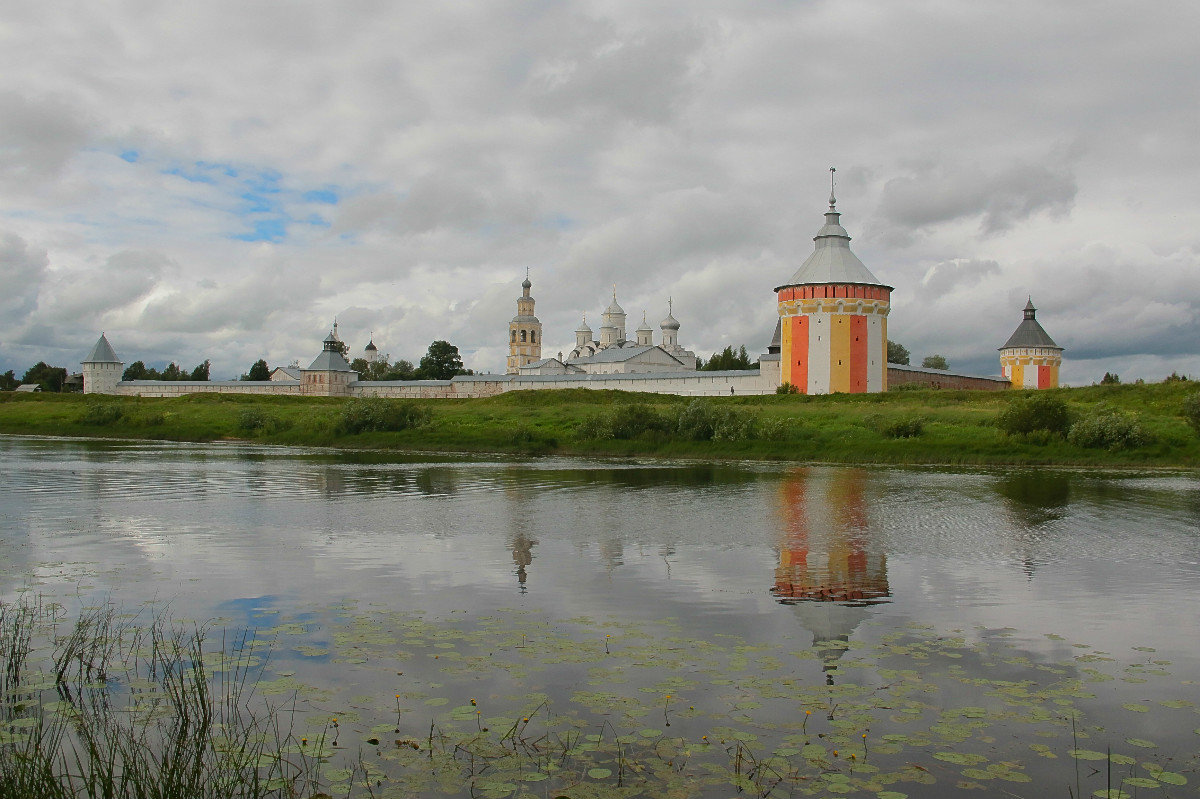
38,136
936,193
22,271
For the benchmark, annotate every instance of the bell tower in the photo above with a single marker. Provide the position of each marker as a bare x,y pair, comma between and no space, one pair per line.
524,332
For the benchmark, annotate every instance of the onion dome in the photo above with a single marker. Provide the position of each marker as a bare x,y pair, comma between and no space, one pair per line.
583,326
614,308
371,347
645,328
1029,333
670,323
525,284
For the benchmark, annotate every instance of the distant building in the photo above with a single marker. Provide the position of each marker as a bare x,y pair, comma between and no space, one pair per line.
1030,358
524,332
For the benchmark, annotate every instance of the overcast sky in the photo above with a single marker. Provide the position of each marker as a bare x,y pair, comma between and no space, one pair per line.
221,179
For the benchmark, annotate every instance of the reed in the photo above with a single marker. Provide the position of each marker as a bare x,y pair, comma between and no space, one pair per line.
108,708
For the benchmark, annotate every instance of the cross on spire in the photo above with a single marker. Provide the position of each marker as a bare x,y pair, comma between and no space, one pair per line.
832,199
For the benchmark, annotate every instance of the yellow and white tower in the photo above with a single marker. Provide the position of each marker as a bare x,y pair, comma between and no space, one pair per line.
524,332
833,318
1030,358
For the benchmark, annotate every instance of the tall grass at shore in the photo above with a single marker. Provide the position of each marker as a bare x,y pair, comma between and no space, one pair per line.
952,427
108,708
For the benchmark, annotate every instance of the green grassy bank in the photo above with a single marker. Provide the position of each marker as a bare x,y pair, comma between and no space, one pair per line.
897,427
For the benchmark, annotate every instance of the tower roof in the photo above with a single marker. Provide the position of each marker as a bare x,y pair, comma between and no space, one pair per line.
645,328
670,323
102,353
371,346
832,261
613,308
1029,333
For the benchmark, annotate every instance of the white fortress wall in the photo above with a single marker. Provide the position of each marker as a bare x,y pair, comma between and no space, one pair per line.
179,388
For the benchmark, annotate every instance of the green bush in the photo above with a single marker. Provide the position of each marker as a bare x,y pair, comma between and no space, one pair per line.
1108,428
630,421
911,427
1191,410
700,420
253,420
1038,412
102,413
378,415
787,388
594,427
907,387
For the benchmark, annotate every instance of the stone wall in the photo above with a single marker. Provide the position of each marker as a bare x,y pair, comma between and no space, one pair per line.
179,388
941,379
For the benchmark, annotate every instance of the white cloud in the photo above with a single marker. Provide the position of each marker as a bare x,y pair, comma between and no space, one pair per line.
218,180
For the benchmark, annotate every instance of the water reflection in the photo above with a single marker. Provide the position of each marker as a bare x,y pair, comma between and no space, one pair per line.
1035,498
827,553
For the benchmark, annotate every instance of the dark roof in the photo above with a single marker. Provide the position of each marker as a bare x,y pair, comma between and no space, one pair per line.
1029,333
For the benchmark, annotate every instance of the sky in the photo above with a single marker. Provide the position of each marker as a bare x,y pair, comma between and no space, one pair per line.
221,180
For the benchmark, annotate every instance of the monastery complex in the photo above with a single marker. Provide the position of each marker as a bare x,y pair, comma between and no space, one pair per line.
831,337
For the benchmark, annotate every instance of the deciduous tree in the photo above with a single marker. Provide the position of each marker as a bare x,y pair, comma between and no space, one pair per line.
897,353
934,362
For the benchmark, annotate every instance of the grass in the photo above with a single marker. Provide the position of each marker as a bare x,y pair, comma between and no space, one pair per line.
108,708
951,427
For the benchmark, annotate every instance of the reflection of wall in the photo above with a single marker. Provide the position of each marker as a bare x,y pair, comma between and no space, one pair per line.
827,553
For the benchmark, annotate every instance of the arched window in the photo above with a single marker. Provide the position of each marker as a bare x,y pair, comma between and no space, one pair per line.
533,337
522,336
514,335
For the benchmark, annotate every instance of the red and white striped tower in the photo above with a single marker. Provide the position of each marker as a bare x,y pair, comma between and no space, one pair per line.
833,314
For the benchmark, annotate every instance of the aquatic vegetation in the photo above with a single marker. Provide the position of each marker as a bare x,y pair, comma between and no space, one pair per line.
107,707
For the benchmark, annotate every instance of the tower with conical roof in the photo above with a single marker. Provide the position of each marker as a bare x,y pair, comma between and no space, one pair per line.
328,375
524,332
101,369
371,352
833,316
1030,358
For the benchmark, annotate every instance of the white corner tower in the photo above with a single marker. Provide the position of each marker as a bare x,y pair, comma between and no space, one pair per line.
101,369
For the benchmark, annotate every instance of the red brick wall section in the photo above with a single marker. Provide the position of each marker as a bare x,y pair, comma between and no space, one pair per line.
946,380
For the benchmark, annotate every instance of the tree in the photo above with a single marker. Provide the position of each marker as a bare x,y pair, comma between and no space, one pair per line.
441,362
1110,379
934,362
897,353
258,371
201,371
400,370
8,381
138,371
50,378
727,359
173,372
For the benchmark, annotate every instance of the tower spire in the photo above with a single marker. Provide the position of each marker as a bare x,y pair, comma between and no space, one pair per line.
832,199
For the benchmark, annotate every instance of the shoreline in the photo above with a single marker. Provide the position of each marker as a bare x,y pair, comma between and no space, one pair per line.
900,428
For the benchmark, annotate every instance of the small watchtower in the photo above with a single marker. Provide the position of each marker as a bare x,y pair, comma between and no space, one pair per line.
102,369
1030,358
329,375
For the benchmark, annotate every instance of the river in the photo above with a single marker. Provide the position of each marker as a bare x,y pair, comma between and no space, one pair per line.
988,629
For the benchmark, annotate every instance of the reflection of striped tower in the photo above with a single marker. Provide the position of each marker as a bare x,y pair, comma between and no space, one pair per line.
1030,358
834,319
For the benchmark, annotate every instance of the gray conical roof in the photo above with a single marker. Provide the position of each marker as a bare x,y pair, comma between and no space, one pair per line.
1029,333
102,353
832,261
776,345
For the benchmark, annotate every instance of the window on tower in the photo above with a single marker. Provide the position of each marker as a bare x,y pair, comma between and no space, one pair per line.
522,336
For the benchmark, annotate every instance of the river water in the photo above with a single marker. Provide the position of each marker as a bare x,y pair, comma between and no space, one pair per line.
953,629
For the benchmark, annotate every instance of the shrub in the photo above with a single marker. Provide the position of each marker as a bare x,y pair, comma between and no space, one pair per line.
904,428
787,388
594,427
1108,428
253,419
102,413
774,429
700,420
1039,412
378,415
1191,410
907,387
630,421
